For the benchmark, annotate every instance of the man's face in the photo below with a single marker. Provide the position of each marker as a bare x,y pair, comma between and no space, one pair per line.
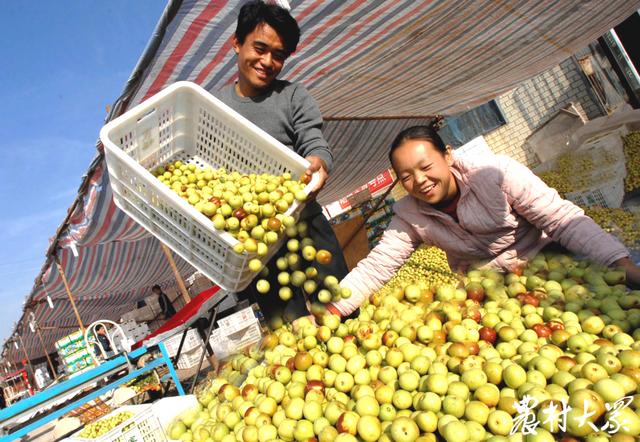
260,59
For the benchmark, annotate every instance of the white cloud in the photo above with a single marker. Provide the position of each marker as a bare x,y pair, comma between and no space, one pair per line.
43,151
21,224
12,309
67,195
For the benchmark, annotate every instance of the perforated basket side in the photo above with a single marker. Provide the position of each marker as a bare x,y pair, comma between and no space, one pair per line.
145,427
606,194
197,244
126,429
219,143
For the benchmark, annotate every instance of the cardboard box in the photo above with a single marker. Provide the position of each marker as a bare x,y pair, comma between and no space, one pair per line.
236,332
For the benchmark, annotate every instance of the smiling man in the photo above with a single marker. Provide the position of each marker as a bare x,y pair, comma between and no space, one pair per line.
266,35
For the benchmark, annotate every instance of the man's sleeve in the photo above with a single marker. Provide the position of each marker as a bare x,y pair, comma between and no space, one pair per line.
307,127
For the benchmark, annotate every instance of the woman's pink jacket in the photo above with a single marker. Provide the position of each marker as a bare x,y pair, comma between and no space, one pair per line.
506,215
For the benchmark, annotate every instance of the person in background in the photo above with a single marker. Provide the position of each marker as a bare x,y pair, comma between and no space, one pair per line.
490,211
166,308
103,339
266,35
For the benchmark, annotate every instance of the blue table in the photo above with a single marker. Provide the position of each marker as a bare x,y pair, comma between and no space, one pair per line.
75,384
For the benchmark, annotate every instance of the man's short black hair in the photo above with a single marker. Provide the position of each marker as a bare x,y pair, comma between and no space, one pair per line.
256,12
156,287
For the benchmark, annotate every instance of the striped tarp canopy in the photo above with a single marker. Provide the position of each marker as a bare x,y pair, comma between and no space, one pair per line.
109,262
374,67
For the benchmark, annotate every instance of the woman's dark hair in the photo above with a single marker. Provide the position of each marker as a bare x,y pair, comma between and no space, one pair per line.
426,133
156,287
256,12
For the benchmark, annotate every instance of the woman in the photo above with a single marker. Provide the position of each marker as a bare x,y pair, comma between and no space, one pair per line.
490,210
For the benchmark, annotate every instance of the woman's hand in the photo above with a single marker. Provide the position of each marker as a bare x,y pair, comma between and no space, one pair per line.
632,271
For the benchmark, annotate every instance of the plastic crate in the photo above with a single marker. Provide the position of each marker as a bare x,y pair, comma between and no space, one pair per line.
604,184
184,122
605,194
225,342
190,342
168,409
143,426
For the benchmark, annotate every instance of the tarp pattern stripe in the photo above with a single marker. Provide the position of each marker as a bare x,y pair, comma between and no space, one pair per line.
459,41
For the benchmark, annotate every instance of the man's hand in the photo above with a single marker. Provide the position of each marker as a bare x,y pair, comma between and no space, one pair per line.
317,165
632,271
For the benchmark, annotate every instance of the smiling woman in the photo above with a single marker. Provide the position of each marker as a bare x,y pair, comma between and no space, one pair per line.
490,211
422,161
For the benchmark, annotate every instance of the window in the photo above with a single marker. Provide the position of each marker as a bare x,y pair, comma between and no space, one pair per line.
466,126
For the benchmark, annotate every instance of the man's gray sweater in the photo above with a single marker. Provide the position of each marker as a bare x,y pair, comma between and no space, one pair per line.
288,113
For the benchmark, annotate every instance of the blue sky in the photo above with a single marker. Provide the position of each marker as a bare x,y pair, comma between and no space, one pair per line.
62,63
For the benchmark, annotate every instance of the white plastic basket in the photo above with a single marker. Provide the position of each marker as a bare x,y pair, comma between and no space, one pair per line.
143,426
190,342
184,122
604,184
605,194
226,342
168,409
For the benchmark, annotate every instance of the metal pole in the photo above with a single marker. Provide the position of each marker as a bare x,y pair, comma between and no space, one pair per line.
212,321
69,294
176,273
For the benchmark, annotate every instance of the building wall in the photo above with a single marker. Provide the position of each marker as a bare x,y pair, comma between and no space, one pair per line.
534,102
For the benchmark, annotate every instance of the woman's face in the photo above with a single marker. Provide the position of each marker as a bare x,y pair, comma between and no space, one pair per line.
424,171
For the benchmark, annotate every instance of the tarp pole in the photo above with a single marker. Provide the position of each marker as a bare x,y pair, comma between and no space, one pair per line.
44,349
28,367
176,273
69,294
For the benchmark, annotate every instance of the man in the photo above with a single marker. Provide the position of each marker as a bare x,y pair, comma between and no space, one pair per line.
266,35
166,308
103,340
